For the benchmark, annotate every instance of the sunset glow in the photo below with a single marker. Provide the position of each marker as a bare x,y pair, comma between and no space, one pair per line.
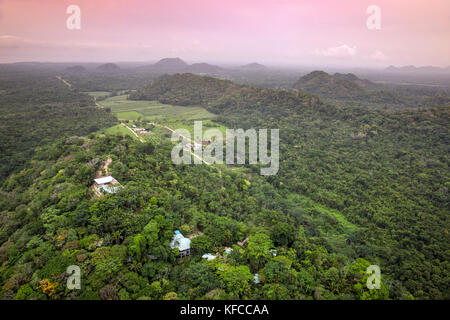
281,32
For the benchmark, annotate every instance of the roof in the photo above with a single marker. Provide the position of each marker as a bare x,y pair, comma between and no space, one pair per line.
180,242
104,180
209,256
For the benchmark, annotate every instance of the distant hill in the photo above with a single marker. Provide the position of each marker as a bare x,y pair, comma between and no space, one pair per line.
324,84
169,65
346,76
108,67
75,69
418,70
204,68
177,65
254,66
352,77
348,89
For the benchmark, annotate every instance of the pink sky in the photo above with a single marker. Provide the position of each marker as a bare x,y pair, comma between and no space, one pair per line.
297,32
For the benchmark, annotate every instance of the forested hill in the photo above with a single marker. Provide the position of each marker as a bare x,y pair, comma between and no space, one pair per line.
51,219
355,79
320,82
348,89
385,172
185,89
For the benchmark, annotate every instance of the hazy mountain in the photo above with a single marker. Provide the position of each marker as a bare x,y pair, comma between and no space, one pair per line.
177,65
254,66
322,83
169,65
75,69
204,68
346,76
420,70
108,67
352,77
348,89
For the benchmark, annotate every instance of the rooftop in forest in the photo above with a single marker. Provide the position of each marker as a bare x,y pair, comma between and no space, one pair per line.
104,180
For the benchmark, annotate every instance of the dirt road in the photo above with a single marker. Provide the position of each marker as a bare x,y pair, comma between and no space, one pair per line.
64,81
139,138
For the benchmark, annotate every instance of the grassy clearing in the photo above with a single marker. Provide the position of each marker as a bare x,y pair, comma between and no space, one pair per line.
189,125
117,130
98,93
306,202
175,117
154,111
122,130
335,233
128,115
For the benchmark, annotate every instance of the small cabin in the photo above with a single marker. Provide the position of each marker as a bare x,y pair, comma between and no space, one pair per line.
181,243
107,184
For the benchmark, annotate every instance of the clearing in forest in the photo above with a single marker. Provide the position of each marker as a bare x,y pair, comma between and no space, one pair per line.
153,110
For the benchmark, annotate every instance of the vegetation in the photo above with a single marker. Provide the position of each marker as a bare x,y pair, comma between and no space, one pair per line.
386,172
36,109
355,187
53,220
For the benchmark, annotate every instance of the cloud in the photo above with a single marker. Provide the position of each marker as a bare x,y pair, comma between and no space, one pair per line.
343,51
378,56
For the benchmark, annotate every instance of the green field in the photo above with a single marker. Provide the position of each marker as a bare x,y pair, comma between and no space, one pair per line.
117,129
128,115
172,116
206,125
154,111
